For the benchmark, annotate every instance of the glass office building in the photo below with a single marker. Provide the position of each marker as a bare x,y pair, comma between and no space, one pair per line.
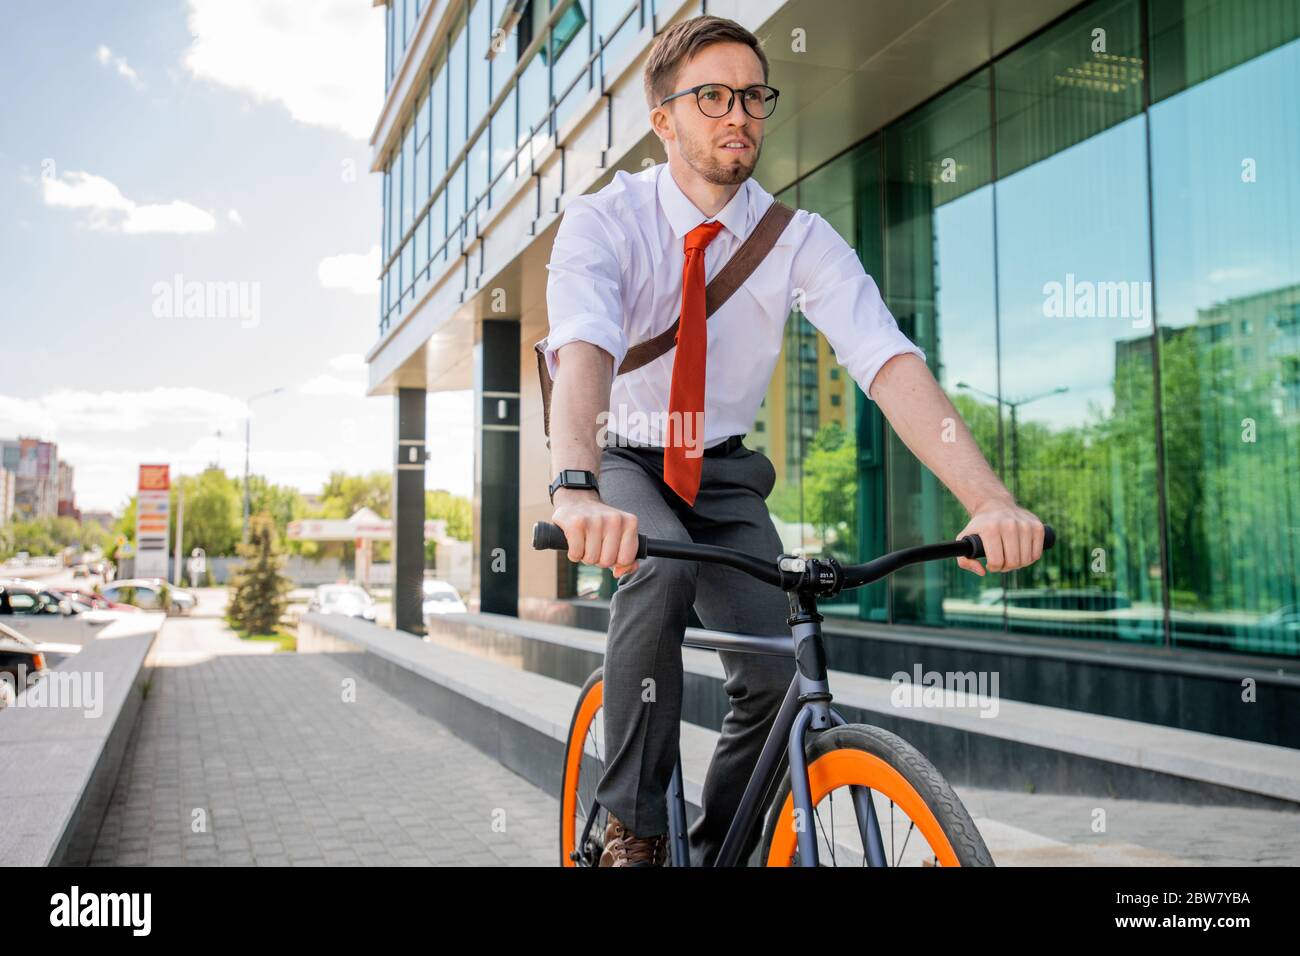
1096,240
1094,234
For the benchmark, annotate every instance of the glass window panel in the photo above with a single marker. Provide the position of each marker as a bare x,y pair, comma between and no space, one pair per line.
605,15
1193,40
940,289
438,214
1077,79
408,274
571,35
421,243
421,178
408,178
478,167
532,98
507,52
1227,256
385,192
388,45
1074,291
422,113
455,205
438,125
480,27
395,215
456,81
503,146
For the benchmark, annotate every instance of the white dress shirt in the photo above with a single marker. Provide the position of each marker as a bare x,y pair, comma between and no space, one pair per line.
616,281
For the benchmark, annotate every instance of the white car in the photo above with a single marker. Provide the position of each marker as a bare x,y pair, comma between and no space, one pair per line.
346,599
441,598
145,593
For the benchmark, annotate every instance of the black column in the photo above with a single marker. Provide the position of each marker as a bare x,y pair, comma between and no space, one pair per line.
496,392
408,512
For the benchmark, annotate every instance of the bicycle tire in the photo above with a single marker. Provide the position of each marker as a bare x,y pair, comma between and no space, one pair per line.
862,755
590,700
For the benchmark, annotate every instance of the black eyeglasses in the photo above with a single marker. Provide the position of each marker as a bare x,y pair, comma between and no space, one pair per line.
716,99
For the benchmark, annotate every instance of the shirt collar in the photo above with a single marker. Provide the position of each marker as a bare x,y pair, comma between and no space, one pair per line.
683,215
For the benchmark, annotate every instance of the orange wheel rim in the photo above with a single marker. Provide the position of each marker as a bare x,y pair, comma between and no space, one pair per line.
844,768
573,763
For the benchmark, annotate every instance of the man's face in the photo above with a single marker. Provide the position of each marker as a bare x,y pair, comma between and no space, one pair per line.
701,140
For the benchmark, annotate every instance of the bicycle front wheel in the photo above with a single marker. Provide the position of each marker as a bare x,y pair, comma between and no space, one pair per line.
584,765
920,821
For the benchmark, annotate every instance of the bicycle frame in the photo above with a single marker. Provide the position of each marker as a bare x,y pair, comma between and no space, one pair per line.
807,706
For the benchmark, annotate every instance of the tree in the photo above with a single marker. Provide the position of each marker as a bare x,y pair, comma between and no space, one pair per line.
260,590
213,512
456,510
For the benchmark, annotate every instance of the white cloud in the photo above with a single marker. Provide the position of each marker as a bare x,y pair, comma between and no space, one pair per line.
327,384
114,212
99,412
356,273
323,60
349,362
234,216
105,56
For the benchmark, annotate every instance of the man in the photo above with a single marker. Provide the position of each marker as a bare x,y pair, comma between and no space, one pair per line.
626,260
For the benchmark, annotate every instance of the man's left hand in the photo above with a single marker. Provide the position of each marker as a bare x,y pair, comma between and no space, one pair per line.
1012,537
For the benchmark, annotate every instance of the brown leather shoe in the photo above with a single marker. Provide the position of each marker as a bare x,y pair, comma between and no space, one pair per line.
622,848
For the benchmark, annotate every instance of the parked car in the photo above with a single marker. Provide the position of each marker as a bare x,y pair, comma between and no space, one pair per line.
146,593
25,599
95,601
441,598
19,659
346,599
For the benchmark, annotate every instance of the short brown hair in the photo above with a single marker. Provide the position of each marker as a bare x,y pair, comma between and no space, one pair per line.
681,41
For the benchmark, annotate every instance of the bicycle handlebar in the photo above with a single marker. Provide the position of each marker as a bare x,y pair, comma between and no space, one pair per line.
787,572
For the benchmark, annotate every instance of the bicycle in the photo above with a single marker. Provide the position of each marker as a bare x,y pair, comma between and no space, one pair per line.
816,749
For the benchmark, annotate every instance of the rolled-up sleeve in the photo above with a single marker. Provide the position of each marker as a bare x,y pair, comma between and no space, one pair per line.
844,304
584,287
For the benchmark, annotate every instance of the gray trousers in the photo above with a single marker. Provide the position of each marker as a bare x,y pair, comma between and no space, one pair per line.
648,618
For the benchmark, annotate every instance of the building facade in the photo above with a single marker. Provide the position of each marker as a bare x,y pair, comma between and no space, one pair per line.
1086,214
36,468
7,482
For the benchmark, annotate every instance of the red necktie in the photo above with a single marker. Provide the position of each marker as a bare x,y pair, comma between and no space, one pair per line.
686,393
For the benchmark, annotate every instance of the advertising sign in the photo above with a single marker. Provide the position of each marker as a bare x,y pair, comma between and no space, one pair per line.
152,513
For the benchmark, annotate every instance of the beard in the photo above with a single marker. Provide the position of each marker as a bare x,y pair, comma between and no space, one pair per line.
701,157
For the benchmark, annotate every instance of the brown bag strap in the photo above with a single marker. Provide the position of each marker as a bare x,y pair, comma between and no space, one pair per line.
729,278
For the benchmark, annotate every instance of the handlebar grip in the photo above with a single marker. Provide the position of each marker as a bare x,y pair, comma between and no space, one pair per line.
551,537
977,546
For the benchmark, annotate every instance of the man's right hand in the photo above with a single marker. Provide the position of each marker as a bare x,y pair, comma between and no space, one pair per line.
597,533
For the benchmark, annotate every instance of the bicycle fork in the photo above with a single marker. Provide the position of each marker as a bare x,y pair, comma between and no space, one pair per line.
817,714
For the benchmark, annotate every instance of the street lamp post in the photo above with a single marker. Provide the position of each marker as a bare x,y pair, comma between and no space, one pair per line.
248,444
1015,437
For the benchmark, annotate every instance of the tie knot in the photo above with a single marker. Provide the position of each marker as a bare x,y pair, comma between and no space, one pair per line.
702,235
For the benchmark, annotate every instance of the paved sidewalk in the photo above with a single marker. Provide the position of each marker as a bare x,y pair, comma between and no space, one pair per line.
287,773
1137,832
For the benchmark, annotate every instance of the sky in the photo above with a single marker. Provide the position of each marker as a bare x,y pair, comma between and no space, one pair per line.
187,220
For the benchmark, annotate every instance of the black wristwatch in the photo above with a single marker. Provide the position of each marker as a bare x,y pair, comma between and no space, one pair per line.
573,478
